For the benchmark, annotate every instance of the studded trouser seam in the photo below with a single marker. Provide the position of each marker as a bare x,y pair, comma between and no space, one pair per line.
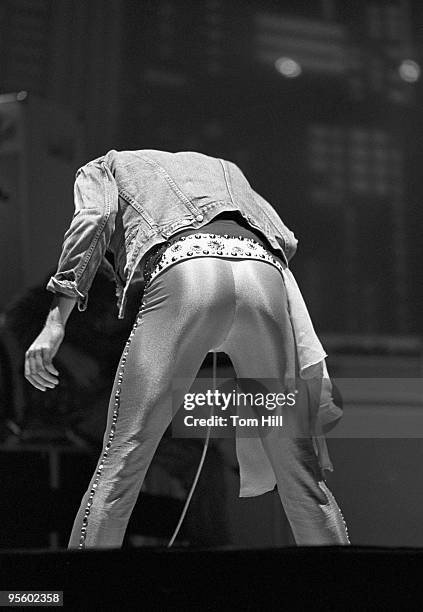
112,431
334,504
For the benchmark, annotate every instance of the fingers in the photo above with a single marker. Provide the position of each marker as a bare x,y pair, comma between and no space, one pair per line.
50,367
39,370
39,382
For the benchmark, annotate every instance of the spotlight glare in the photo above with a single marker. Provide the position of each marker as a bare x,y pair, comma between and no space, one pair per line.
288,67
409,71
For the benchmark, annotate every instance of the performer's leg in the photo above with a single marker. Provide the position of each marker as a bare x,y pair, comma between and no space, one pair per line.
261,345
187,310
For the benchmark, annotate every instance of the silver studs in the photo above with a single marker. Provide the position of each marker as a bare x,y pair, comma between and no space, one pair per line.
110,438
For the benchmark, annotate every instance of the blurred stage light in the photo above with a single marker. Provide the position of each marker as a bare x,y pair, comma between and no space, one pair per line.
409,71
288,67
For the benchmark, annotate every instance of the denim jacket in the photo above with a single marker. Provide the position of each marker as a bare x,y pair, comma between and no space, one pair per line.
126,202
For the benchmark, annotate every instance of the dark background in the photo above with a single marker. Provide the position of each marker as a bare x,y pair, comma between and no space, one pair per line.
336,150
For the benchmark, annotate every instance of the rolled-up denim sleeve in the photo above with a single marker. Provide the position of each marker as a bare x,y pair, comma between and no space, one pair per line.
89,233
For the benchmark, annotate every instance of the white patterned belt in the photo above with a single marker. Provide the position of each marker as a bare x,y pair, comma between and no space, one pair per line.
207,245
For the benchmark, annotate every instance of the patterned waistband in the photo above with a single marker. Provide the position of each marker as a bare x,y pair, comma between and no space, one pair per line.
206,245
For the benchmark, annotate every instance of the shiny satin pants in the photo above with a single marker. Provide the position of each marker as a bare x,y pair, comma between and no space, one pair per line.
193,307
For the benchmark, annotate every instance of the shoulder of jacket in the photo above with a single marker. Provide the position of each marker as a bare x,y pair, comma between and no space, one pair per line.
230,164
93,163
119,159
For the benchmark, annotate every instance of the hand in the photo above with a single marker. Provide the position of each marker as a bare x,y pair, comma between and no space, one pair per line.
39,370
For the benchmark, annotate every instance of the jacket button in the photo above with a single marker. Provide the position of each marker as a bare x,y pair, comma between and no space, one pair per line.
199,218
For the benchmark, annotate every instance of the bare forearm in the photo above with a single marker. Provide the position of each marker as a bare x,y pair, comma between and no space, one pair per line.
39,368
60,309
